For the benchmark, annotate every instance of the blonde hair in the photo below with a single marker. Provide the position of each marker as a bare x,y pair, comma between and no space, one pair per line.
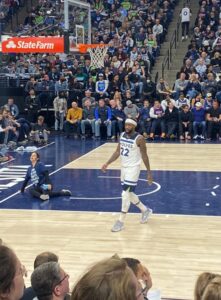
109,279
202,281
213,289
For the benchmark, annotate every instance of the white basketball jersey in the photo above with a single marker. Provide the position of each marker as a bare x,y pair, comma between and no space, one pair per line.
185,14
129,151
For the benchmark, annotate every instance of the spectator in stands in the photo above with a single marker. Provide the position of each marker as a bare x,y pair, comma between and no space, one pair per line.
149,90
202,282
88,118
88,96
40,131
185,21
208,102
10,138
144,122
60,110
131,110
185,122
199,123
120,284
209,85
32,106
61,85
117,118
101,87
13,108
165,103
73,120
158,121
42,187
46,89
163,88
102,118
11,275
158,31
180,85
50,281
31,85
193,87
135,78
4,128
214,120
171,120
182,100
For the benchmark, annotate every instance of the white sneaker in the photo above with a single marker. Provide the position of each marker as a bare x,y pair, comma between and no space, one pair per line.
182,38
66,192
186,37
118,226
202,137
44,197
145,215
195,137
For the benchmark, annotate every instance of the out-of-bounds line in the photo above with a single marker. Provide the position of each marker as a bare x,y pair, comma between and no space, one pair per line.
18,192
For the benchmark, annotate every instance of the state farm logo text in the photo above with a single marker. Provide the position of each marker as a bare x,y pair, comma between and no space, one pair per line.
29,45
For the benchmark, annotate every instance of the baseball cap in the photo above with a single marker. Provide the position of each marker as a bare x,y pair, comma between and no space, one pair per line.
100,74
198,104
129,102
208,95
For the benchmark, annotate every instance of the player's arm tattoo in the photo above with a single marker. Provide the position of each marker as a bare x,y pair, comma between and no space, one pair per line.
114,156
143,149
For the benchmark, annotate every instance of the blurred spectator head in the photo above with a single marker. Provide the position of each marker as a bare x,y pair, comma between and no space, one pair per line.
45,257
11,275
108,279
74,104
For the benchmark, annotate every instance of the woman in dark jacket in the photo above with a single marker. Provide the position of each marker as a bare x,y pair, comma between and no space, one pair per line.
38,174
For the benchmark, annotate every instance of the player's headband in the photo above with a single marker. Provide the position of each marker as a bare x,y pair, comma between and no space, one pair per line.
131,121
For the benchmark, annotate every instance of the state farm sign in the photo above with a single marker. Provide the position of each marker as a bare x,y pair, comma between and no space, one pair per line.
33,45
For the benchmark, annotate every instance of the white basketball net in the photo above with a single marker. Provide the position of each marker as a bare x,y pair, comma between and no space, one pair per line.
97,56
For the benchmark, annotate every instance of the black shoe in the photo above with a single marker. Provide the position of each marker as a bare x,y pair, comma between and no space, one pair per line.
66,192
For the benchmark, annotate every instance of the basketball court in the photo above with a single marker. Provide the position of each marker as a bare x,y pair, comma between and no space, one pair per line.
181,239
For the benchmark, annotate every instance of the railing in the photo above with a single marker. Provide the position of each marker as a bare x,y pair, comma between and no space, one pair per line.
173,45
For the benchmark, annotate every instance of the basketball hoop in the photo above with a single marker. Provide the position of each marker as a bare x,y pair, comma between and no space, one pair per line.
97,53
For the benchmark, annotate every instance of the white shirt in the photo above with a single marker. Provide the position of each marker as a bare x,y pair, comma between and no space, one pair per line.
185,14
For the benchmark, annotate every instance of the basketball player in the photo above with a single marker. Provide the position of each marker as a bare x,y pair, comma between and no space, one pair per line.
132,150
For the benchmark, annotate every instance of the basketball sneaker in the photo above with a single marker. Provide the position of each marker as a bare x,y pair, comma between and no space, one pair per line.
118,226
145,215
66,192
44,197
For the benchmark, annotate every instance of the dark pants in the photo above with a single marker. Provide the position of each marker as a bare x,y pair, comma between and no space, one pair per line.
185,28
69,127
38,191
212,126
183,128
199,127
171,128
116,126
158,123
145,126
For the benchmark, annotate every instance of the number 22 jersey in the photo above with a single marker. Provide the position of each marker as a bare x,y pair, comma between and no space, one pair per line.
129,151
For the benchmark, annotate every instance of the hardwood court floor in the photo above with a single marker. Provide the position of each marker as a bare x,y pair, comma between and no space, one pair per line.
179,157
174,248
